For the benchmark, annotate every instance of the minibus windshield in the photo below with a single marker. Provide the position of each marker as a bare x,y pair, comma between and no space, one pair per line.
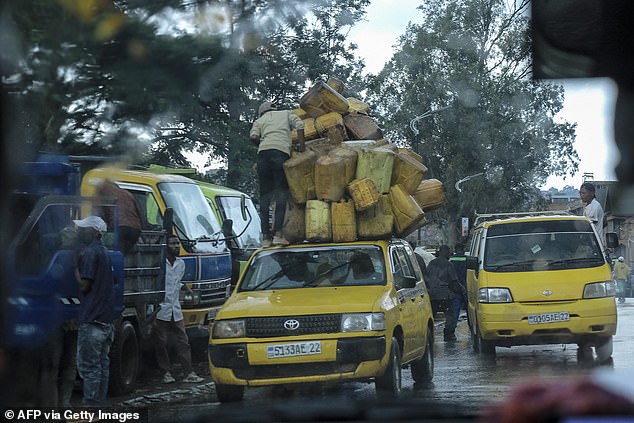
551,245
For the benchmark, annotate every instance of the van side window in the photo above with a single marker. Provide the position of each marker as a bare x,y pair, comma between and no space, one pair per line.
149,210
401,265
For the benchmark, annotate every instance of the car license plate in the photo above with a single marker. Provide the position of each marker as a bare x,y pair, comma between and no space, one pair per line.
290,350
537,319
211,314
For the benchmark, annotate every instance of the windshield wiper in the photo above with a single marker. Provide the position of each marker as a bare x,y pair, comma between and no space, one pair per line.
577,260
268,281
514,264
328,272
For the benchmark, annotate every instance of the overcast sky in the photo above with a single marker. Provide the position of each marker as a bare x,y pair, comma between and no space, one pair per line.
588,102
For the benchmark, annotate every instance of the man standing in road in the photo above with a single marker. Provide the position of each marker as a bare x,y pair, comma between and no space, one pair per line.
271,132
459,261
169,319
95,277
592,209
443,283
621,273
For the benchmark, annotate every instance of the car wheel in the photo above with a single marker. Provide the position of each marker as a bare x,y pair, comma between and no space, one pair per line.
229,393
423,368
389,383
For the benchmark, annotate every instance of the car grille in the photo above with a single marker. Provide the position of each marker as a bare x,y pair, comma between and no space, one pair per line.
266,327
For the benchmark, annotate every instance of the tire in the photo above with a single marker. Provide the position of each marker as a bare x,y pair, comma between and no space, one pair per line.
423,368
485,347
229,393
124,359
604,350
389,384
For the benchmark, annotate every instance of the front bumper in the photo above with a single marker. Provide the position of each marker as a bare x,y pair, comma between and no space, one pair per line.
341,359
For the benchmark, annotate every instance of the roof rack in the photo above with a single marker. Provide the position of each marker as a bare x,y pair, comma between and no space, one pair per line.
484,217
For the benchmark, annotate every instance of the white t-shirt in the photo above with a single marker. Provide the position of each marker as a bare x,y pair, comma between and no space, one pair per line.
594,212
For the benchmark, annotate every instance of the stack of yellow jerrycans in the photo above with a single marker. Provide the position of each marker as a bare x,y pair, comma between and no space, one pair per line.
350,183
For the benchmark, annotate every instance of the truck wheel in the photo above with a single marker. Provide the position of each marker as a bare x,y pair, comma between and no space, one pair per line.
485,347
423,368
124,359
229,393
389,383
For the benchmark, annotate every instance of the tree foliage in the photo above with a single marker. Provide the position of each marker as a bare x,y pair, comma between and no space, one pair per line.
458,90
151,79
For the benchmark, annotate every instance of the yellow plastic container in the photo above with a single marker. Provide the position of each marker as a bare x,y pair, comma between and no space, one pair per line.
364,193
301,113
376,164
411,153
294,229
344,221
310,131
377,221
300,175
330,173
349,157
362,127
357,106
408,215
327,121
321,99
335,84
318,223
430,194
359,144
407,171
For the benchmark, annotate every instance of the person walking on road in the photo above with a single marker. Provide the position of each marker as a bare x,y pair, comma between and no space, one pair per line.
592,209
621,273
169,319
459,261
444,282
95,277
271,132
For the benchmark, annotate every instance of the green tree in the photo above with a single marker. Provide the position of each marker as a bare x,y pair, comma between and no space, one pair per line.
470,61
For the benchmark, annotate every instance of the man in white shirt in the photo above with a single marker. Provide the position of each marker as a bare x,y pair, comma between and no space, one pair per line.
592,209
169,319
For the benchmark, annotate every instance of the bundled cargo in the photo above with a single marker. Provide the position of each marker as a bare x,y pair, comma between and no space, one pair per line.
351,183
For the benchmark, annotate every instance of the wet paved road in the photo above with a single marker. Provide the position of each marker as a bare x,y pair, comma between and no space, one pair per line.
461,378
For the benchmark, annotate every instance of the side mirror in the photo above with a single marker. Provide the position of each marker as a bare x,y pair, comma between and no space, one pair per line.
472,262
612,239
168,220
407,281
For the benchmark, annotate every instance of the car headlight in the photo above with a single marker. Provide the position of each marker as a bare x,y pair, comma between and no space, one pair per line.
362,322
228,329
599,289
494,295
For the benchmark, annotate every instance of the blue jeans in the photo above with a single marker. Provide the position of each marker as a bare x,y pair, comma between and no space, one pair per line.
93,345
620,288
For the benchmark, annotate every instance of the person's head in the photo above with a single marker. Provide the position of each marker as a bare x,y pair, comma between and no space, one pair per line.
586,192
362,266
621,259
267,106
90,228
173,246
458,248
444,251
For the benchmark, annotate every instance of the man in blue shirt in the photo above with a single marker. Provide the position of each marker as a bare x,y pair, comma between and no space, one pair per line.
95,277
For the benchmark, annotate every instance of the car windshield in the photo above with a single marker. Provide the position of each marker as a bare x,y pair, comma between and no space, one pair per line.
318,267
231,209
542,245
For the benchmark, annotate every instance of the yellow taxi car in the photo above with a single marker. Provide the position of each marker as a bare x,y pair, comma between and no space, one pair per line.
541,279
321,313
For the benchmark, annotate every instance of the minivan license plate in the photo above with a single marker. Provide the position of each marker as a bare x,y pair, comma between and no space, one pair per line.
290,350
537,319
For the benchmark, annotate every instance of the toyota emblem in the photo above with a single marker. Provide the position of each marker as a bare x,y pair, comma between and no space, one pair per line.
547,292
291,324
